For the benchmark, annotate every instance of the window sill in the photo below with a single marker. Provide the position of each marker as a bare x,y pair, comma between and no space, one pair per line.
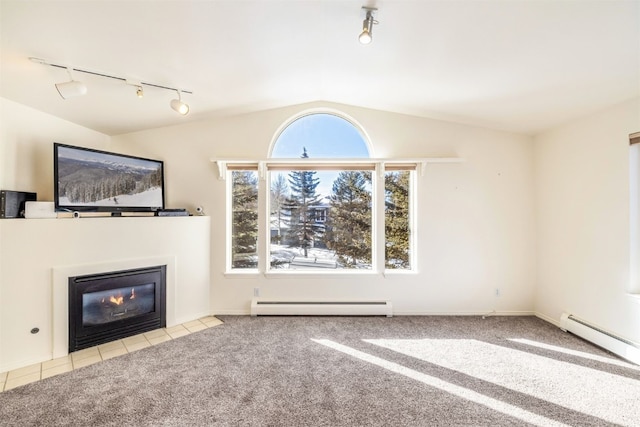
248,273
296,274
400,273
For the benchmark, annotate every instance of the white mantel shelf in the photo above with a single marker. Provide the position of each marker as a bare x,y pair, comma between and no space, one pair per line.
33,251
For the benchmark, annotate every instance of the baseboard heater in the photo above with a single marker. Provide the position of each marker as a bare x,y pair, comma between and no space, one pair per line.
273,307
622,347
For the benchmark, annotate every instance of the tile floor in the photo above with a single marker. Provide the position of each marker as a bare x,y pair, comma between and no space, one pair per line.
89,356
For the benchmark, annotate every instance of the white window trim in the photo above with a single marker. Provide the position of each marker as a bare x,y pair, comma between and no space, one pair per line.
263,165
225,166
229,271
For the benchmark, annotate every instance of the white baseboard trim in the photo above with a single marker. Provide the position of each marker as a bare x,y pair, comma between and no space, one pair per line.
464,313
225,312
231,313
555,322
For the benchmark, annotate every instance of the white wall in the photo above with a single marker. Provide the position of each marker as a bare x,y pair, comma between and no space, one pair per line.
583,220
26,162
476,225
26,147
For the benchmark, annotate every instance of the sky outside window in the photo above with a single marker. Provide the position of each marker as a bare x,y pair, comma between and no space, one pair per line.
325,136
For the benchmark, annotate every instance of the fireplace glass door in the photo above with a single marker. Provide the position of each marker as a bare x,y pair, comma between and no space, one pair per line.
110,306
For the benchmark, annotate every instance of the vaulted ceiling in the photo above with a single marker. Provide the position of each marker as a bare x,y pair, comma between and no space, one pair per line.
520,65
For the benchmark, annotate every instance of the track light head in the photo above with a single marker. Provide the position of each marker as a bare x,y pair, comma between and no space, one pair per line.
137,85
75,88
366,36
179,106
72,88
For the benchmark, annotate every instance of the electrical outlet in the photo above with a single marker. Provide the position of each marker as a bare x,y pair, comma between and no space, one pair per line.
256,292
497,292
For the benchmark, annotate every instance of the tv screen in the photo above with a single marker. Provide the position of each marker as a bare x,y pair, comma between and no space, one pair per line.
99,181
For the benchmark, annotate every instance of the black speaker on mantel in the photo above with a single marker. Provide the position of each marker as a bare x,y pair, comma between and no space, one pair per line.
12,203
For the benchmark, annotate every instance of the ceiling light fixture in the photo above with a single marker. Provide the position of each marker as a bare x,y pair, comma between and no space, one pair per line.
179,106
138,86
366,36
72,88
76,88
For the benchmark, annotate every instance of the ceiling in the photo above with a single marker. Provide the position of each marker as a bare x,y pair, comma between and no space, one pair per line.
522,66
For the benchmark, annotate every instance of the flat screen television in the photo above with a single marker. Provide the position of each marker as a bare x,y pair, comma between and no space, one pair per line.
88,180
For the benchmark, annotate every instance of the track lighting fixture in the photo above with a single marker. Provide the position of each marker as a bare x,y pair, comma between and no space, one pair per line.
138,86
72,88
75,88
366,36
179,106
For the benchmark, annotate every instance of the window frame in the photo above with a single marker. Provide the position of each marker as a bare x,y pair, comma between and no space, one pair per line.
378,238
412,221
229,269
322,166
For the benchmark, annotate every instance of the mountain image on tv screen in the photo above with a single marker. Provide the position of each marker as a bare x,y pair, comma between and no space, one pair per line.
87,178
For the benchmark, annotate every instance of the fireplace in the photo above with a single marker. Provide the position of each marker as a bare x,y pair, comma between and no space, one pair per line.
109,306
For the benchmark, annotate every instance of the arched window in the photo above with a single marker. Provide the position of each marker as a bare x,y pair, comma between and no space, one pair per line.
321,202
320,214
324,135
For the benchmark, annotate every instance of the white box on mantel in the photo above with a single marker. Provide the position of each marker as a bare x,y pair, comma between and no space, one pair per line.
39,210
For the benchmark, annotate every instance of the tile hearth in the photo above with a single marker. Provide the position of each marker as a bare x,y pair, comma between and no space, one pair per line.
89,356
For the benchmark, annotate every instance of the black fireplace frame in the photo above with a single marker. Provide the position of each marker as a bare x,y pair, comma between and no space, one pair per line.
83,336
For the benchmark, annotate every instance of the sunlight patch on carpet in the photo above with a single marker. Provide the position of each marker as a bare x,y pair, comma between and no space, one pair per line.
456,390
582,354
555,381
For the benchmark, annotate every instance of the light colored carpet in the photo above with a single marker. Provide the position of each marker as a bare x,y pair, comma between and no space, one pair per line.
345,371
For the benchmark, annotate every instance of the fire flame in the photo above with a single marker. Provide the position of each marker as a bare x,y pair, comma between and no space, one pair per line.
116,300
119,299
